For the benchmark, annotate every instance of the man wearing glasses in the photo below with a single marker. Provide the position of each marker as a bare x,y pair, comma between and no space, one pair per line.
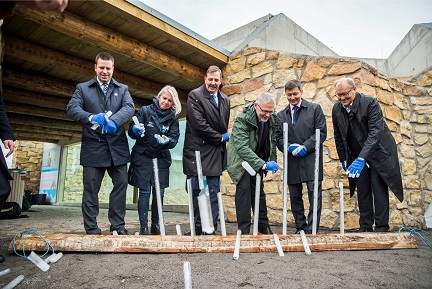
252,140
303,118
368,153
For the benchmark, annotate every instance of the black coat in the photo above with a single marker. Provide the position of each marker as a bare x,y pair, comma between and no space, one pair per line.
6,133
205,124
146,148
310,117
378,146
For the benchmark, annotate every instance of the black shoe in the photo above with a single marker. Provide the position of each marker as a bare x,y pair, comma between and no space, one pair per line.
265,230
363,230
205,233
2,259
155,229
307,231
121,232
144,231
197,232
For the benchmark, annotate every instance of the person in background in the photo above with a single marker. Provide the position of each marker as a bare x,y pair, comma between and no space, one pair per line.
7,7
253,140
157,132
103,105
207,116
303,118
368,153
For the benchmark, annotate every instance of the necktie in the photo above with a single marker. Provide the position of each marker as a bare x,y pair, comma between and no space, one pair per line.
295,115
105,88
215,99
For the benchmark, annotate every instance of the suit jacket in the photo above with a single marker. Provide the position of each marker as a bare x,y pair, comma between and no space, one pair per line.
98,149
378,146
309,118
5,134
205,124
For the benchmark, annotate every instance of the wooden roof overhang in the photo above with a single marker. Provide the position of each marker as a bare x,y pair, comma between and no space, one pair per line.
47,54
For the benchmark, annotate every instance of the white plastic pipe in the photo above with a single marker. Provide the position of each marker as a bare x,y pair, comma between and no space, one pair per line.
4,272
12,284
305,243
257,199
158,197
178,230
187,275
278,245
221,214
107,116
205,212
285,179
236,254
54,257
342,213
191,209
38,261
248,168
316,181
199,169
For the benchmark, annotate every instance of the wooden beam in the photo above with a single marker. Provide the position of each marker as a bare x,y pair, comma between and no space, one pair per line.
216,244
31,135
90,32
32,110
15,95
31,52
45,130
20,119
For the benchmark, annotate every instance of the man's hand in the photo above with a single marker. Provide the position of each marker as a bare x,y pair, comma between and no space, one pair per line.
356,167
161,139
110,127
225,137
139,129
9,144
271,166
300,152
100,118
292,147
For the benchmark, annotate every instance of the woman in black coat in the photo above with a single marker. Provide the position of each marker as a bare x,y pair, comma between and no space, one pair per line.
157,132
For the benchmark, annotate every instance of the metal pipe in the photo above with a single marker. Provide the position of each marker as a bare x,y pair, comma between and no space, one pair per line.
316,181
158,197
221,214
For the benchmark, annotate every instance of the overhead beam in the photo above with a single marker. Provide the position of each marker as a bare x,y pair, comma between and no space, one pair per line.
25,97
80,28
20,119
45,130
32,110
26,135
31,52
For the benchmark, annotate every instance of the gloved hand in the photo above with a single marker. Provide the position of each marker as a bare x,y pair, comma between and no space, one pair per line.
138,130
356,167
300,152
161,139
292,147
271,166
100,118
110,127
344,165
225,137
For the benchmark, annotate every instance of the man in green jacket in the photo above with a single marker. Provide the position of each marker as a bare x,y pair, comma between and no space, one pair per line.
252,140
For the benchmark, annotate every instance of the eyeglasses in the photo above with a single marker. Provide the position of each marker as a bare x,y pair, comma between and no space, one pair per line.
265,111
344,93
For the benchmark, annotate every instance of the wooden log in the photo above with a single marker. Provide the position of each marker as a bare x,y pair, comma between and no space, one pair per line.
216,244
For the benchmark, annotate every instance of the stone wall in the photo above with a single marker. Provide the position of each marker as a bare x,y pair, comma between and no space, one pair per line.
28,156
407,107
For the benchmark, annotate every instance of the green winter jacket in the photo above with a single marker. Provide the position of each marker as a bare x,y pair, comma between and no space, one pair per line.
243,143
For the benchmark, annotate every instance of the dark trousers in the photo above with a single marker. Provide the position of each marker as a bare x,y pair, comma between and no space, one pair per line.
144,205
92,179
372,193
245,200
213,184
297,207
5,188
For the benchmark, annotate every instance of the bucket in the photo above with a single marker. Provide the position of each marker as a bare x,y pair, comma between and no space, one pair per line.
39,199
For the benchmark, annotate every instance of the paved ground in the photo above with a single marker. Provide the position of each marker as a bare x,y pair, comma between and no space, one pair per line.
402,268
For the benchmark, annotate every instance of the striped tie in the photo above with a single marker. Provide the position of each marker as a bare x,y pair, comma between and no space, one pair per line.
105,88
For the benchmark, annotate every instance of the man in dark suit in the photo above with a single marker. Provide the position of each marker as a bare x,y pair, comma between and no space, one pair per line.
7,136
104,144
303,118
368,153
207,116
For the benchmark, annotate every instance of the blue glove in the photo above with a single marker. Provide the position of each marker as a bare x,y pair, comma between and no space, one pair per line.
355,168
300,152
100,118
110,127
293,147
161,139
138,131
344,165
225,137
271,166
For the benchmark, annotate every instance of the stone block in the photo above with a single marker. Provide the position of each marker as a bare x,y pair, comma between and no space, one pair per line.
326,62
231,89
341,69
262,68
385,96
256,58
285,61
281,77
312,72
252,84
240,76
234,66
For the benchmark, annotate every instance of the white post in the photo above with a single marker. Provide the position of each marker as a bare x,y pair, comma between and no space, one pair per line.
4,272
305,243
315,202
257,199
204,199
342,214
191,210
236,254
12,284
199,169
278,245
221,214
158,197
187,275
285,179
178,230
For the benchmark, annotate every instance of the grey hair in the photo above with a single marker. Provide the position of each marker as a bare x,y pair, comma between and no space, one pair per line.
265,97
171,90
348,80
